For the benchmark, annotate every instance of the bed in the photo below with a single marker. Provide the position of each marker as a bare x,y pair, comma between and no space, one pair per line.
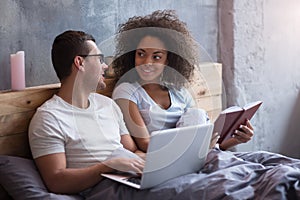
226,175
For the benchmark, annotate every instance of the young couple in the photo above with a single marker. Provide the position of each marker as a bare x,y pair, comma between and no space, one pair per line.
78,134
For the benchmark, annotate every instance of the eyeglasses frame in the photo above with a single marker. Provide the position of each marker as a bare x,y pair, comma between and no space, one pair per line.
100,55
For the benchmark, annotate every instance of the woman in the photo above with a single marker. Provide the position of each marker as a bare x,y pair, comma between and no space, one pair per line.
155,59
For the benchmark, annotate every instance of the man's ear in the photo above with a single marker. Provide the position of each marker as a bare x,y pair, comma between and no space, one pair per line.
78,62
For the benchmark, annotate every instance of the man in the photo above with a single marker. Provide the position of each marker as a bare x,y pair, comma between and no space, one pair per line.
75,135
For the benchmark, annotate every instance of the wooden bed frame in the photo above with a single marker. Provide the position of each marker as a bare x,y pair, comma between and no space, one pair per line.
18,107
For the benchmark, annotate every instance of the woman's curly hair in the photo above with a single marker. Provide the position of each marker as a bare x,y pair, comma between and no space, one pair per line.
165,25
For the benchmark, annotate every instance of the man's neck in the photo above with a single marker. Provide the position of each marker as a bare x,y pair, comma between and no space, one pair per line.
74,94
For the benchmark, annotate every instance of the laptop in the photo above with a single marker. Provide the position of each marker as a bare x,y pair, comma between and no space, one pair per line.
171,153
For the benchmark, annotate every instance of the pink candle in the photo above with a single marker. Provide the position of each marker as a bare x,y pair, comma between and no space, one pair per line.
17,62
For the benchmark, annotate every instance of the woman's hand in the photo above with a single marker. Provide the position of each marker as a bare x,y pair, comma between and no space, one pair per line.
141,154
242,135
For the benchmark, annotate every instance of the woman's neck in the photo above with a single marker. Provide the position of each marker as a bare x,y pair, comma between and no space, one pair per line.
152,86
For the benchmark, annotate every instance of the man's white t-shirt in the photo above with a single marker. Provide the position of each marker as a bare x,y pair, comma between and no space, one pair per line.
86,136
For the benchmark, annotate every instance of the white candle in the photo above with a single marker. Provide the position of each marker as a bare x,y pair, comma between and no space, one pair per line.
17,62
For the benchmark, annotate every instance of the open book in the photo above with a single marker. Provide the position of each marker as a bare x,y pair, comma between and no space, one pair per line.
231,118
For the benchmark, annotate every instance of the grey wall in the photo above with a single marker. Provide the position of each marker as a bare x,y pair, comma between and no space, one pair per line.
260,48
257,41
32,25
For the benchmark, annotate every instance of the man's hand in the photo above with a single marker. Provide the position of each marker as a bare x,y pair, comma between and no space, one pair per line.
126,164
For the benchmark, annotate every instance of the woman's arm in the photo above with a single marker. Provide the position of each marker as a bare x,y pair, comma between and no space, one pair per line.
130,145
134,123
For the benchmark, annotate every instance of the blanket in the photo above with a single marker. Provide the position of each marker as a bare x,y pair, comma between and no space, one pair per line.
226,175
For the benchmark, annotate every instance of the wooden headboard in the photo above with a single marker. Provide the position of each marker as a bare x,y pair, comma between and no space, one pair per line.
18,107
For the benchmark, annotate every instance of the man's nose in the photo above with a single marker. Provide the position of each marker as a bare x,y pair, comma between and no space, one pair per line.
104,66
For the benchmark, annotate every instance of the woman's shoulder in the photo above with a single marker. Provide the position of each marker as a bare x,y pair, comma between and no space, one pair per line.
182,91
122,88
125,90
182,95
126,85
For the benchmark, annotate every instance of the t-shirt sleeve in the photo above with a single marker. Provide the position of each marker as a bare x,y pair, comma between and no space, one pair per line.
125,91
190,103
119,116
45,135
188,98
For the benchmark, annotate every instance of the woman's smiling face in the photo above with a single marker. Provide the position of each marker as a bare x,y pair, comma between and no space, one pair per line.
150,59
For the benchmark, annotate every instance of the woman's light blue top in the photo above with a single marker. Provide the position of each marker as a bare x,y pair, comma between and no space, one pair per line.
154,116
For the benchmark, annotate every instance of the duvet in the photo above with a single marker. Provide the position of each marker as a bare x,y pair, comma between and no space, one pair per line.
226,175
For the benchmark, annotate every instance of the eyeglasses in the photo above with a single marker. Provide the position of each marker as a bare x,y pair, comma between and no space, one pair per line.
101,57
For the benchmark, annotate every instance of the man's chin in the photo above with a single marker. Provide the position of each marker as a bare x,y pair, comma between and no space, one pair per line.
101,85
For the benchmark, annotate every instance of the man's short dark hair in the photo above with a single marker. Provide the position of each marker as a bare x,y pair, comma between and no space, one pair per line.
66,47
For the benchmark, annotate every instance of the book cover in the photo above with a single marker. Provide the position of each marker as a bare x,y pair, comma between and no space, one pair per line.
231,118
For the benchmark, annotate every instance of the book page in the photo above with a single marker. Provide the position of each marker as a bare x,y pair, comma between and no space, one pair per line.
232,109
252,104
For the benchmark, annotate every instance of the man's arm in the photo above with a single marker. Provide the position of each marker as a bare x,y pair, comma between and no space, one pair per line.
60,179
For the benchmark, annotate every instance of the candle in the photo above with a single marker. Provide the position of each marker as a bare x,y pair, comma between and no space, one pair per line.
17,62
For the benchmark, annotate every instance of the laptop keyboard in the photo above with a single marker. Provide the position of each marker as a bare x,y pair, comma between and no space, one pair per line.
136,180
